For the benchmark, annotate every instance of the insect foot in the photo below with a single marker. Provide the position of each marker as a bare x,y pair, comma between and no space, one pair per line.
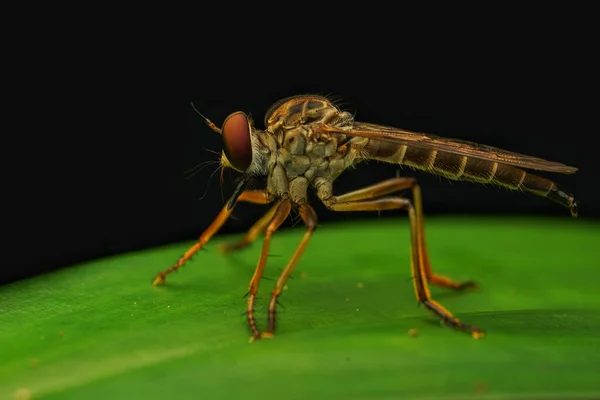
254,338
450,320
477,334
159,280
263,335
467,285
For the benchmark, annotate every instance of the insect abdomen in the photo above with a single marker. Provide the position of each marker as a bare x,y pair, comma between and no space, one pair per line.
465,168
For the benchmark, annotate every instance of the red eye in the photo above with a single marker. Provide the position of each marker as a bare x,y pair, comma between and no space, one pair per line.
236,140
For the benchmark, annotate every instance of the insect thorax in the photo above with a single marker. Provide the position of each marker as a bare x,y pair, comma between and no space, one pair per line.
300,156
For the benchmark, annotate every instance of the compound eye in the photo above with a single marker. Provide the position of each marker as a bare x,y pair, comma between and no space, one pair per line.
236,141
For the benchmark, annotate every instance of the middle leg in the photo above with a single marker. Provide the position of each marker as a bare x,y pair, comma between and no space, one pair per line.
281,213
310,219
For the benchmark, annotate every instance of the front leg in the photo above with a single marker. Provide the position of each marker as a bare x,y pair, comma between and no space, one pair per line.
250,196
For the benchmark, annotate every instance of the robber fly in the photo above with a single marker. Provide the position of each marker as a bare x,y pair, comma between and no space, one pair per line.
309,142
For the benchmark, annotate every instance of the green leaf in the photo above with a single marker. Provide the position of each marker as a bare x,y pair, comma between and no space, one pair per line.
100,330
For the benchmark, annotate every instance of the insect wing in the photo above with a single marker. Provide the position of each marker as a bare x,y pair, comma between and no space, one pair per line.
460,147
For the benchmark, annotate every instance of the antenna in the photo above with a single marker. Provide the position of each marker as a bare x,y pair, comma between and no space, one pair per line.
208,121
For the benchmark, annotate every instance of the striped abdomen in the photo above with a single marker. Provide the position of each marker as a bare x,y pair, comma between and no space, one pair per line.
465,168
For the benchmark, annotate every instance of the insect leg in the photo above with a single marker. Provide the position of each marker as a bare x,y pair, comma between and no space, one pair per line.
250,196
416,259
395,185
310,219
252,234
433,278
281,213
377,190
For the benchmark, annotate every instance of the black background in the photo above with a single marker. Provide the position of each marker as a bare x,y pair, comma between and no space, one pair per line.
109,132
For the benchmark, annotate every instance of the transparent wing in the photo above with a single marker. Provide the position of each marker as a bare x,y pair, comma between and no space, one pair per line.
461,147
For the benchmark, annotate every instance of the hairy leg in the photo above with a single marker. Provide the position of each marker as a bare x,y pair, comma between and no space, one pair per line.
281,213
310,219
250,196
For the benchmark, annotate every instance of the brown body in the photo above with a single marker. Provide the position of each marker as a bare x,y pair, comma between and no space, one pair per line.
308,142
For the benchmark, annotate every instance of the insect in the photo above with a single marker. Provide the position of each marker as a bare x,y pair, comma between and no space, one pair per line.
308,142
